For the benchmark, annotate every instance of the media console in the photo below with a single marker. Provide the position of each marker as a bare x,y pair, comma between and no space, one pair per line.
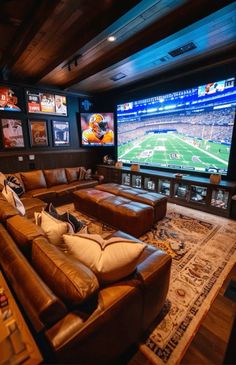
190,191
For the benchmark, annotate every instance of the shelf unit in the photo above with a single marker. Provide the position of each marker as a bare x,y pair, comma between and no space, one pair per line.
191,191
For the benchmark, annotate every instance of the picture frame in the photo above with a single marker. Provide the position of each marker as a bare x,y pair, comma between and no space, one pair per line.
38,132
11,99
12,133
39,102
60,133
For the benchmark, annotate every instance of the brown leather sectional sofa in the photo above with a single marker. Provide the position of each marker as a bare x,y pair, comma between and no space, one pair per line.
53,184
96,330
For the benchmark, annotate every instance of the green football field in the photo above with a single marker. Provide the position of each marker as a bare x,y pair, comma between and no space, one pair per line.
175,149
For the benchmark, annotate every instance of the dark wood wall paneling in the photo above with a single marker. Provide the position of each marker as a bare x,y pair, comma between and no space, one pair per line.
50,157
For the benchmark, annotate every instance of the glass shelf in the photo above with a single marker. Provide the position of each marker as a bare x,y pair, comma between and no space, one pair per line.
164,187
198,194
126,179
149,184
137,181
181,191
220,198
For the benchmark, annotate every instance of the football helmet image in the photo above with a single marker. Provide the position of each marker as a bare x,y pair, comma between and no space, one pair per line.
98,125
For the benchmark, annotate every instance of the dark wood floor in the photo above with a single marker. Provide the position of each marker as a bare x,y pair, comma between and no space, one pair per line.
209,346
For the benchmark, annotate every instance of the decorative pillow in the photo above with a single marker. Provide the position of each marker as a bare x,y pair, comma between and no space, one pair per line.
65,217
88,175
82,173
13,199
15,184
54,229
110,260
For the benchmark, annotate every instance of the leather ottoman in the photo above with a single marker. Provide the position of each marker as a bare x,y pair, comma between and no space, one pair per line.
129,216
157,201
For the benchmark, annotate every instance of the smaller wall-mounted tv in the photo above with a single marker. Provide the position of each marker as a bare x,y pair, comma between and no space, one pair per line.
97,129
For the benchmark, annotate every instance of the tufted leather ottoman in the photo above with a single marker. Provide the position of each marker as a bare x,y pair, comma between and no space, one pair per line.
129,216
157,201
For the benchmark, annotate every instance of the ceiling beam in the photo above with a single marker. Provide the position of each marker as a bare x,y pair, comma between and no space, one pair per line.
185,15
37,15
102,15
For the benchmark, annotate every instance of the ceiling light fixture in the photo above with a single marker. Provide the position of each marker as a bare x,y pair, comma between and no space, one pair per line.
111,38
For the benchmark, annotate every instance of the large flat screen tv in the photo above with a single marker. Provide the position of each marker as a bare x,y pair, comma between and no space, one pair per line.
97,129
188,130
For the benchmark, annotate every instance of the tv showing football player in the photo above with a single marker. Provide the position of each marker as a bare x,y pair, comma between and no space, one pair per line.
97,129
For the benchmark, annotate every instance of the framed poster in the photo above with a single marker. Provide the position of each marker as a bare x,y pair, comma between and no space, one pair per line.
60,133
11,99
46,103
12,133
38,133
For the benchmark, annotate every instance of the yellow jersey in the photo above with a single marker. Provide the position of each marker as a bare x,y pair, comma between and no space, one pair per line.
88,137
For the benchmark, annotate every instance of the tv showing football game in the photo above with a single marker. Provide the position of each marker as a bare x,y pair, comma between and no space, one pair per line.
188,130
97,129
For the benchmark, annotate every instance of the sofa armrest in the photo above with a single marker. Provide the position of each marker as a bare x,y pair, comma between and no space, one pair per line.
97,177
39,302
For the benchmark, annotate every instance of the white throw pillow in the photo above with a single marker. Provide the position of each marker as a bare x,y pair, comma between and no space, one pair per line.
110,260
54,229
13,199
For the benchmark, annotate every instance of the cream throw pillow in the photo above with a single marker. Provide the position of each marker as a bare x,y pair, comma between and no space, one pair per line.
54,229
13,199
110,260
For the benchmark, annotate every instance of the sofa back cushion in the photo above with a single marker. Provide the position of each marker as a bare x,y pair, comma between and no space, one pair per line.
68,278
72,173
42,306
33,179
55,177
6,209
23,231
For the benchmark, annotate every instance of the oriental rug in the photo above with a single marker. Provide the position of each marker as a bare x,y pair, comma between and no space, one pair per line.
203,249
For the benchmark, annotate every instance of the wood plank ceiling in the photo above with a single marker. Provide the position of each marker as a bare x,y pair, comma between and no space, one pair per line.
63,43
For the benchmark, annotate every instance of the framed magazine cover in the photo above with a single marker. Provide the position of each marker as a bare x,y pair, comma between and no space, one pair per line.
60,133
46,103
38,132
12,133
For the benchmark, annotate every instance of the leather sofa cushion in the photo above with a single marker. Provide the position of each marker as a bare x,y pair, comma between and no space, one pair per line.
72,174
23,231
6,209
55,177
33,180
39,302
68,278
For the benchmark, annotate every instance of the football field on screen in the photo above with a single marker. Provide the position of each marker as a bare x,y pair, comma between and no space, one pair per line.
175,149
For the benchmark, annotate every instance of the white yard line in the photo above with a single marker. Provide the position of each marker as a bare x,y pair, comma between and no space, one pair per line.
207,153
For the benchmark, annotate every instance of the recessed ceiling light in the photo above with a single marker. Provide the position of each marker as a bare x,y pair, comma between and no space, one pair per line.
112,38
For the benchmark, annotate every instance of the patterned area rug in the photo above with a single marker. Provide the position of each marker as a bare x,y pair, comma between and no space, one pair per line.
203,248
